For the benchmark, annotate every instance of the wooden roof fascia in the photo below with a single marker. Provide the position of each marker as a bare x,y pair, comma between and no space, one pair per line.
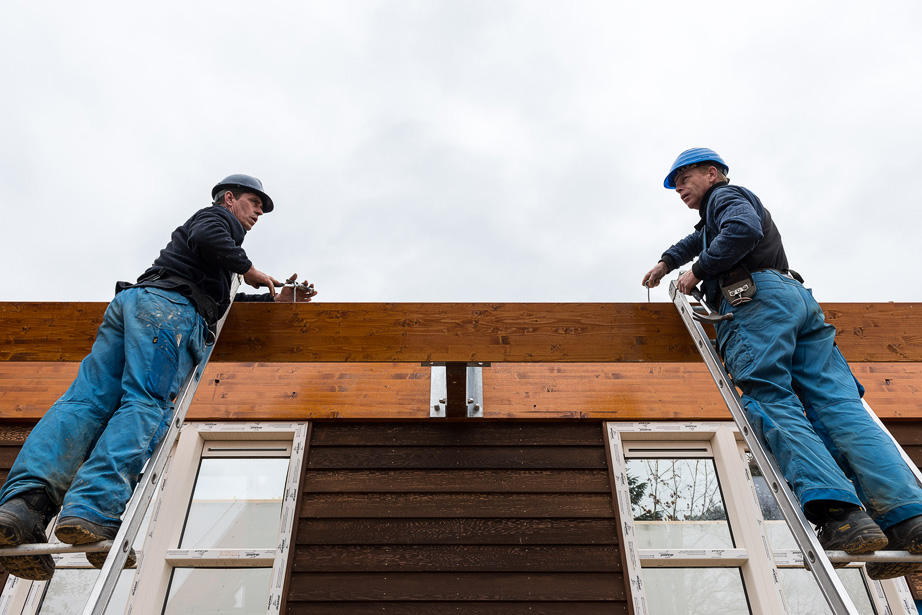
421,332
400,391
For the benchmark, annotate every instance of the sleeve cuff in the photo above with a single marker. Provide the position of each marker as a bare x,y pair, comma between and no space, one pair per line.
698,271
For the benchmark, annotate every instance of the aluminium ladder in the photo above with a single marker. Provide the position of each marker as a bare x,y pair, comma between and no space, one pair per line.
816,559
120,546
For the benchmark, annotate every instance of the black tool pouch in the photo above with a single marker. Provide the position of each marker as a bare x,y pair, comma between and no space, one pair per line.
737,286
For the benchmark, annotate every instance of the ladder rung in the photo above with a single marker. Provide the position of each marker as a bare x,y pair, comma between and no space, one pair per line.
875,557
55,547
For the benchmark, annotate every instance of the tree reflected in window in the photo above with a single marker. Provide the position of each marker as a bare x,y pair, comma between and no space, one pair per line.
677,504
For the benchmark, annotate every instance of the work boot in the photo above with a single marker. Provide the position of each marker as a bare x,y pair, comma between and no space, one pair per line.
23,520
77,531
850,529
904,536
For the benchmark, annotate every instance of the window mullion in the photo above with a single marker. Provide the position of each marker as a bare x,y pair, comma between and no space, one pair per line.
746,520
153,575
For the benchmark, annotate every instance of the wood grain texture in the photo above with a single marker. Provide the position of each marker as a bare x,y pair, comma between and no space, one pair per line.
458,608
444,457
457,558
479,516
416,332
452,481
454,531
400,391
471,505
437,587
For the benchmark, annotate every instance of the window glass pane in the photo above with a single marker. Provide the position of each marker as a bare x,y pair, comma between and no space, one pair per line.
67,591
215,591
695,591
677,504
805,598
236,504
780,537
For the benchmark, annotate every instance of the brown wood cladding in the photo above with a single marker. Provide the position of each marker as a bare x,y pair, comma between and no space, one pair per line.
596,391
439,517
415,332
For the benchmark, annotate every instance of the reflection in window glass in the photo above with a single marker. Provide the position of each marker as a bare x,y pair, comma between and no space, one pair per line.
236,504
695,591
776,528
216,591
677,504
68,589
805,598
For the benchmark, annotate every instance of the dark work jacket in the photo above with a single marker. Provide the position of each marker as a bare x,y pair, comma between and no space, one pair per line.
734,228
199,261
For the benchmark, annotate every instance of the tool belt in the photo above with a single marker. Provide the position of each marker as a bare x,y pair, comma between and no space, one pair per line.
737,286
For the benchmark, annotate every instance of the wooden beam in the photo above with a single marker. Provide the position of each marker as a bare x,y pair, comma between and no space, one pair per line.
417,332
597,391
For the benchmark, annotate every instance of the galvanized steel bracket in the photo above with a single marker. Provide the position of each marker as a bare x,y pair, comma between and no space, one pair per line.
456,389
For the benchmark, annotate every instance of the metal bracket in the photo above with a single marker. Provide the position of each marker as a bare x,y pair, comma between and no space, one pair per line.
456,389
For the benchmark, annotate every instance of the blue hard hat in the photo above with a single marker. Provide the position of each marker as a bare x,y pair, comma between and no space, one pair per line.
245,182
691,156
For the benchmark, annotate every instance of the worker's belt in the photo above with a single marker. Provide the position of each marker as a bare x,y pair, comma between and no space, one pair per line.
788,273
205,305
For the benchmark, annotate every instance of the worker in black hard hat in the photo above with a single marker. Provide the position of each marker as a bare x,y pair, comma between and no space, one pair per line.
85,455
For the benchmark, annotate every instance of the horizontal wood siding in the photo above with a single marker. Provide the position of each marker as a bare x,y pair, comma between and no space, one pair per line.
435,517
382,391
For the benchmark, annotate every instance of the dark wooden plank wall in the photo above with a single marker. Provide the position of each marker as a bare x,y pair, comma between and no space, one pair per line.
435,517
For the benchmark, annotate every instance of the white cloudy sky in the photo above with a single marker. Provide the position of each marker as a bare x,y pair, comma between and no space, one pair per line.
456,151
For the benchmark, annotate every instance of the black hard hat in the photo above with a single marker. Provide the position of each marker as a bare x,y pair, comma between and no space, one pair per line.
246,182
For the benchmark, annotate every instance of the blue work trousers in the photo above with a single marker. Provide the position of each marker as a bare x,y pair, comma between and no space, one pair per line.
803,403
90,447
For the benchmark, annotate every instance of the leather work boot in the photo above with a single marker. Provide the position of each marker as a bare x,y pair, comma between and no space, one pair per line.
23,520
77,531
853,532
904,536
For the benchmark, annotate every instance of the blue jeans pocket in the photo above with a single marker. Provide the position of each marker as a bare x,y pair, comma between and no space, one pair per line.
163,366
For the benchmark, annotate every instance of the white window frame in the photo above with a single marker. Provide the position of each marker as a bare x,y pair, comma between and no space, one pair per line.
161,552
160,555
751,554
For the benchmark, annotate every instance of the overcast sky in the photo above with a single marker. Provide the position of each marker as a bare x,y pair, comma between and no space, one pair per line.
457,151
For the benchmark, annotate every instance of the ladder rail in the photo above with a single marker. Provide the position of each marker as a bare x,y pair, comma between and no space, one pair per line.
814,555
99,597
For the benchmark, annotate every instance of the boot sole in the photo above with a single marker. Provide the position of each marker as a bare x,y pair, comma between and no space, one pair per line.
31,567
80,535
865,544
77,535
879,572
98,559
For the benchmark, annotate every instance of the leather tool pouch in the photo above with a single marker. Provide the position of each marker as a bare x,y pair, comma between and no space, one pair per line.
737,286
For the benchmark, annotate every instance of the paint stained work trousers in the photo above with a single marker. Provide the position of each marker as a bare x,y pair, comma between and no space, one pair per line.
88,450
801,398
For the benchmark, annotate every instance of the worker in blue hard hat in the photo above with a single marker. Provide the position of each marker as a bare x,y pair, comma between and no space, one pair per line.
84,457
798,392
